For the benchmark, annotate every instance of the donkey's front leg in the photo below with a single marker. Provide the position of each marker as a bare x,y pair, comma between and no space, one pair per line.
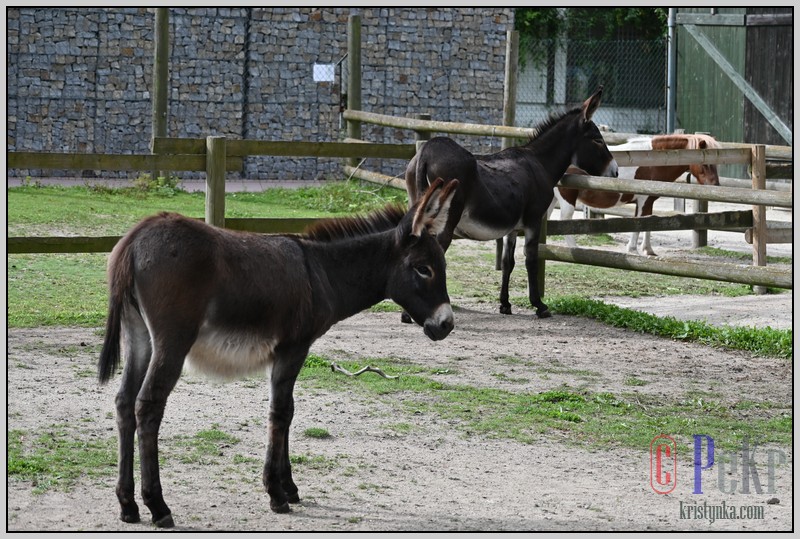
532,266
277,475
507,265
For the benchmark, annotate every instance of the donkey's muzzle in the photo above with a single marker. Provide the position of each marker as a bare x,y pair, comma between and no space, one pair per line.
440,324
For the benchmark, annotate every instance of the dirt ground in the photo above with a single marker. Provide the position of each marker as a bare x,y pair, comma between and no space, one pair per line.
436,476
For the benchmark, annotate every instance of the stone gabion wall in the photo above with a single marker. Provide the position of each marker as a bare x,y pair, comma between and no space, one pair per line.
79,79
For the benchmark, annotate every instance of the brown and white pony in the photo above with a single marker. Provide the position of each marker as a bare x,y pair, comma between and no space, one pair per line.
231,303
705,174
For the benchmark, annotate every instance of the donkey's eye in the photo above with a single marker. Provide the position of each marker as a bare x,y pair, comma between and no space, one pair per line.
424,271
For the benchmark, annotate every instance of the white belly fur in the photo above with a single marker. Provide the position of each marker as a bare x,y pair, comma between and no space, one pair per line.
467,228
229,354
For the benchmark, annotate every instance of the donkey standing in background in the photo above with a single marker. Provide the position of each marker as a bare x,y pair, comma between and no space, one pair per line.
512,189
232,303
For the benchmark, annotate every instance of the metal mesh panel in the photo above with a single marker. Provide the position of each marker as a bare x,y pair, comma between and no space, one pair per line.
558,74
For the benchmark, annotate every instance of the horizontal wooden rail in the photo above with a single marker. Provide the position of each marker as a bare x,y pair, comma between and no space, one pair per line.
374,177
692,221
55,244
731,273
415,124
636,158
712,193
104,244
95,161
785,186
777,232
245,147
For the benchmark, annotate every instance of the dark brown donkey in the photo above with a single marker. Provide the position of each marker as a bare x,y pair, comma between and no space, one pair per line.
509,190
232,303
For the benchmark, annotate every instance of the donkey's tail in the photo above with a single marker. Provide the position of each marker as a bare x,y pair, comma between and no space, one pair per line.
120,290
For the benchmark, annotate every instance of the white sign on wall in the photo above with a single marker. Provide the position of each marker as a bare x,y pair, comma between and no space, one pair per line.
324,72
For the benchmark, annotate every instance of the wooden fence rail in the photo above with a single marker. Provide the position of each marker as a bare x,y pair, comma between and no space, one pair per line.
753,155
216,155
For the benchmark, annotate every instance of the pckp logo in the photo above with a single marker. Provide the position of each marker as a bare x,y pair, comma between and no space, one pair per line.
736,471
663,464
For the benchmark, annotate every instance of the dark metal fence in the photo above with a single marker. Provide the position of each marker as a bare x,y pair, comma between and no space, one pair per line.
558,74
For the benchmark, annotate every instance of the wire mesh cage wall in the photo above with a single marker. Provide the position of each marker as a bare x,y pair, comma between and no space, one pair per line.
557,74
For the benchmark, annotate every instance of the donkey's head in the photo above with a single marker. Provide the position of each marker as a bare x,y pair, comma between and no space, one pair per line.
418,281
591,153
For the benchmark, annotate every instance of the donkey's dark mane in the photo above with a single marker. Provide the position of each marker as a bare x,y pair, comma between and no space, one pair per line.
549,123
353,227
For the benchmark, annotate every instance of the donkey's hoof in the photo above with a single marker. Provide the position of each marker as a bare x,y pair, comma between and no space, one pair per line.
544,313
505,309
282,508
164,522
130,518
405,318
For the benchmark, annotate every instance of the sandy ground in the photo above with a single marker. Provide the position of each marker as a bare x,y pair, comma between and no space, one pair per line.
433,475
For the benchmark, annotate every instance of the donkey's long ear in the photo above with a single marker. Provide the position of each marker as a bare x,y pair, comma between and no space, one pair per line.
591,104
432,210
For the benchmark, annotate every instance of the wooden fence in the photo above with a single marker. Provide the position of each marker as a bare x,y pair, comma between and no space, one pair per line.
216,155
752,222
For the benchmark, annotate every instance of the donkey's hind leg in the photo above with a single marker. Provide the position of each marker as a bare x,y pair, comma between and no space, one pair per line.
169,353
137,356
507,265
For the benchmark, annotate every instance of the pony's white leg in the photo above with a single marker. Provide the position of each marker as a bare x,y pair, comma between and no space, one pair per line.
646,248
556,198
567,210
645,204
633,242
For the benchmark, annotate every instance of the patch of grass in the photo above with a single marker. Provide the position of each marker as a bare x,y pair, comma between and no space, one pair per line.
57,289
505,378
204,446
400,428
580,280
317,432
314,462
634,381
760,341
585,417
56,459
588,240
744,257
386,306
88,211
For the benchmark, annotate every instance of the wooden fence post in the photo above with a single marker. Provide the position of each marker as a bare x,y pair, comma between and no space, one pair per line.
509,117
421,136
758,172
160,79
353,78
700,237
215,181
